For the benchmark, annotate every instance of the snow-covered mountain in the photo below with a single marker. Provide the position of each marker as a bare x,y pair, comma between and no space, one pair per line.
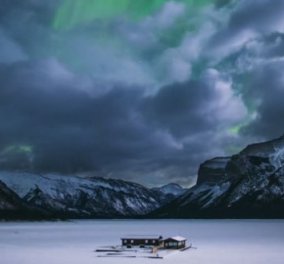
71,196
250,184
169,192
247,185
171,188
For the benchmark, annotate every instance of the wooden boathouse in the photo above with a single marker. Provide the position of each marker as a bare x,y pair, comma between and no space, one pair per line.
176,242
142,241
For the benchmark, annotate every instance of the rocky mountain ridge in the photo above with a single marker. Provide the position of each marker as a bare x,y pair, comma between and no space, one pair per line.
247,185
75,197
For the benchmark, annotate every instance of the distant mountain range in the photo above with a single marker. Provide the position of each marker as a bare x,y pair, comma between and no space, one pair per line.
247,185
169,192
27,195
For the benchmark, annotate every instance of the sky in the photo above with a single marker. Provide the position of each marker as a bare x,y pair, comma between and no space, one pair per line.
141,90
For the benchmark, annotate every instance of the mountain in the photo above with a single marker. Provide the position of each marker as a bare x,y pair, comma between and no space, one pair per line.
247,185
169,192
9,201
76,197
13,207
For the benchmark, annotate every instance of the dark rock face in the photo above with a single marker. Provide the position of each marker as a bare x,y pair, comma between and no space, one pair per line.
13,207
212,170
251,185
8,199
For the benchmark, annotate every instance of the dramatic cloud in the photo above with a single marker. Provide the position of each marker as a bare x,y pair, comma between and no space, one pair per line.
145,94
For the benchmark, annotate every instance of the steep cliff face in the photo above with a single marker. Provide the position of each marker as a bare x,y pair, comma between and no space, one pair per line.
250,185
212,170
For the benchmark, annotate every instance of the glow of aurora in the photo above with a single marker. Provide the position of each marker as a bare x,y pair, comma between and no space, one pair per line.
26,149
74,12
103,84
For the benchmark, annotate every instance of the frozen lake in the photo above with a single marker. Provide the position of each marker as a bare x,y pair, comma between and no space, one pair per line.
217,241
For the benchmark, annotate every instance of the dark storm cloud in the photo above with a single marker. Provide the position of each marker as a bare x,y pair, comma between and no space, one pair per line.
120,132
261,15
55,118
12,12
26,26
266,88
183,108
248,20
70,129
252,48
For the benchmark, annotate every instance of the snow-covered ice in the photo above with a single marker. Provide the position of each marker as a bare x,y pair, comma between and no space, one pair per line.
74,242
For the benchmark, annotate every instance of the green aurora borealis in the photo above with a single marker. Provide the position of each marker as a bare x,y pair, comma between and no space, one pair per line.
74,12
102,16
100,21
123,85
74,15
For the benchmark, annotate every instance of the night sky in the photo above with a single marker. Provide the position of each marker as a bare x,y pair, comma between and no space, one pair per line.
143,90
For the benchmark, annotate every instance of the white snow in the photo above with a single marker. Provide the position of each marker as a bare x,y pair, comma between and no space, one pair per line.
217,241
178,238
212,192
215,193
22,183
121,196
172,188
277,157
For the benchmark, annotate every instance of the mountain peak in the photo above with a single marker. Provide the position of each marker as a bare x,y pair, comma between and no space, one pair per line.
171,188
247,185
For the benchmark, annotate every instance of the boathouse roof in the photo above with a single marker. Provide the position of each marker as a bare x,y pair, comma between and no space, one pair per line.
142,237
177,238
